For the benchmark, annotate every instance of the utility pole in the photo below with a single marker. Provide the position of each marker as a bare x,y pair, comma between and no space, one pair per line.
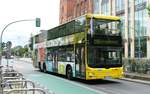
37,20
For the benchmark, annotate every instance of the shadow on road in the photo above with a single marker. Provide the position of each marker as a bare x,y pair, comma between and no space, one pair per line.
96,82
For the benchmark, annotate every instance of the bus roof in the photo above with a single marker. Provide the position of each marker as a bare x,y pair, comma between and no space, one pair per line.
103,17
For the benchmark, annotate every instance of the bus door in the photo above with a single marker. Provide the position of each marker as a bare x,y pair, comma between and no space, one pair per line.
35,63
55,62
80,61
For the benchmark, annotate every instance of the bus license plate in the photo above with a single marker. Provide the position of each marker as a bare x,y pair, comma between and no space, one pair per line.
108,77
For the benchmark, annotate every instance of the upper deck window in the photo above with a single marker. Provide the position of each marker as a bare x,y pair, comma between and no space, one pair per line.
105,27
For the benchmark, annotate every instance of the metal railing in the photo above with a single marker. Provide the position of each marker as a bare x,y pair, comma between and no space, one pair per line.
12,73
1,89
141,66
27,91
13,82
19,84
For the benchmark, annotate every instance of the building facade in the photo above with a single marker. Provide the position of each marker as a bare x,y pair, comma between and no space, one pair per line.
135,19
134,24
70,9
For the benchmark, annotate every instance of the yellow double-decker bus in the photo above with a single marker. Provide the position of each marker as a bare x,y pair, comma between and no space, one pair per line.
88,47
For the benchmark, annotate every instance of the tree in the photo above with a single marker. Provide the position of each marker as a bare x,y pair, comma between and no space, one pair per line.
20,51
148,9
3,45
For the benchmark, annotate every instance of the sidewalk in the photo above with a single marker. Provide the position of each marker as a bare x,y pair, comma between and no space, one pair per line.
137,77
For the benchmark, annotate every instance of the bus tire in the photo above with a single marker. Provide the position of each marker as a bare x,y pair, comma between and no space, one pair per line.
44,68
40,66
69,73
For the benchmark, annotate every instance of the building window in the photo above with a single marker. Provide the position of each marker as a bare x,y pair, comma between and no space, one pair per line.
105,7
83,8
122,24
139,1
77,10
122,27
140,33
96,6
129,34
120,5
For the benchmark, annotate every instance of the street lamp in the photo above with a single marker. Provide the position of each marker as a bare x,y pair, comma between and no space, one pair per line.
38,21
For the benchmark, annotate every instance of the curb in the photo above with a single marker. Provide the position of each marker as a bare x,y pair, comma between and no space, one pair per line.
138,77
136,80
143,79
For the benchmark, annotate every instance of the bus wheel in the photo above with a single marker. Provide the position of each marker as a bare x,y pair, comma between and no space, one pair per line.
69,73
40,66
44,67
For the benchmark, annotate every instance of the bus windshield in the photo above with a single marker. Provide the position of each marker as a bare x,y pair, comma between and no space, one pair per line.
98,58
105,27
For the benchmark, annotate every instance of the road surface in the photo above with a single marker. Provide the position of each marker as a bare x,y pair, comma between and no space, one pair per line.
61,85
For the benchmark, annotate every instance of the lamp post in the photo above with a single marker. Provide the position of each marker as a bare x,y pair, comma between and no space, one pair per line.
1,36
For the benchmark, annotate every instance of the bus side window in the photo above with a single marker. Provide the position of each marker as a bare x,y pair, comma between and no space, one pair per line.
73,57
70,55
49,56
78,56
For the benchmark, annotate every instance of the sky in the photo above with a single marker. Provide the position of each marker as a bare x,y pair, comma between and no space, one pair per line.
13,10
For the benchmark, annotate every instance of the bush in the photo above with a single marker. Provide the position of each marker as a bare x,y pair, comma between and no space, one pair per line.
136,65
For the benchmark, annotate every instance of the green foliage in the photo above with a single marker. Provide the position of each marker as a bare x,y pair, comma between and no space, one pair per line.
9,44
3,45
136,65
148,9
19,51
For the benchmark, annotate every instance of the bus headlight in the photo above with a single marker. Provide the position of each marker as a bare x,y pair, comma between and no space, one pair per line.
91,74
